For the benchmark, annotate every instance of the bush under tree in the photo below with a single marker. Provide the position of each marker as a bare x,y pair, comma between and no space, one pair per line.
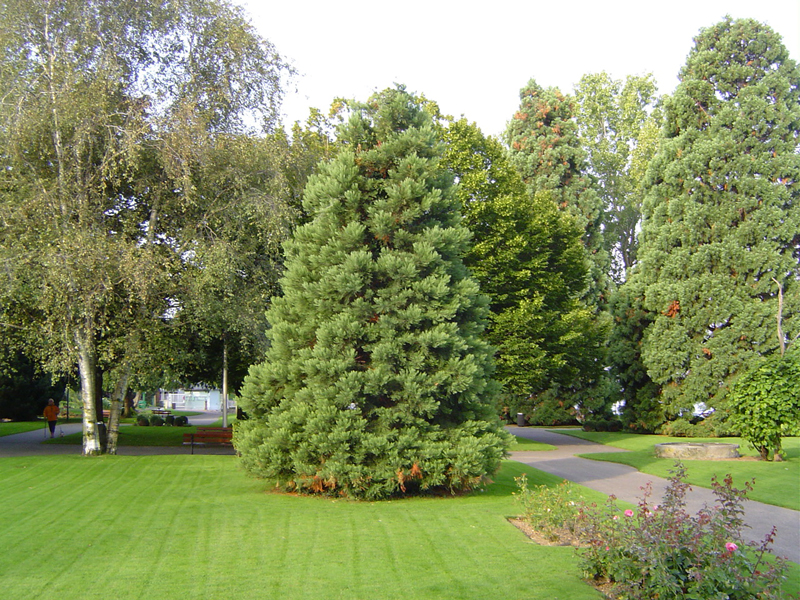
765,403
378,381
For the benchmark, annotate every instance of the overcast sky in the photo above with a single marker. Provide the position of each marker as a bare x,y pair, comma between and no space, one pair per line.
473,57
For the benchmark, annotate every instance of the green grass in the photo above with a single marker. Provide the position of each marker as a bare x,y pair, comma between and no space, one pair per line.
134,435
13,427
777,483
196,527
522,444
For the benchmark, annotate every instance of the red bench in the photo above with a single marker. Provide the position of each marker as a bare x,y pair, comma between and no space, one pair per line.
209,436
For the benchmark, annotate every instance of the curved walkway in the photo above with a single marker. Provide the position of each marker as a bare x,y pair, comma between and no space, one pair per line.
30,443
626,483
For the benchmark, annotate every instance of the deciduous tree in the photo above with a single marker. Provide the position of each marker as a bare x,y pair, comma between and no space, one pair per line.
528,257
545,149
618,124
107,108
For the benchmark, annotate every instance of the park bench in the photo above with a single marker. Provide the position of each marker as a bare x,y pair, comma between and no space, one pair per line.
162,412
209,436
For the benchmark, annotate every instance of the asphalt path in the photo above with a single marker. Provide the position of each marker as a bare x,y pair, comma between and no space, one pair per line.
33,443
626,483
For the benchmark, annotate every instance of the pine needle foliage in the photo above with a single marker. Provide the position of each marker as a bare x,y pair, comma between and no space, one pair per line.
378,381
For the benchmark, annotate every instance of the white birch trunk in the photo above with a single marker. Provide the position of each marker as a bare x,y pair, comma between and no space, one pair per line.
117,399
87,368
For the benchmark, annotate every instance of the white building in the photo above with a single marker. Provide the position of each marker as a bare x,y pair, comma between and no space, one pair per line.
194,399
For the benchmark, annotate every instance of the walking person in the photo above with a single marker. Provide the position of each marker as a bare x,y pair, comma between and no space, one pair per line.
51,414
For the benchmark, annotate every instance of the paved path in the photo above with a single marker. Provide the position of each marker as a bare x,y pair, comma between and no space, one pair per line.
30,443
626,484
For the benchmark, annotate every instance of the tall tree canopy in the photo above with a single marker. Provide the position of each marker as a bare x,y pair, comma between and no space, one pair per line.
378,380
107,109
619,125
528,257
721,215
545,149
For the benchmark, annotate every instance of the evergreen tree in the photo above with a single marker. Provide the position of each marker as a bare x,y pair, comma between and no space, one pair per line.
545,149
642,410
721,216
377,381
527,255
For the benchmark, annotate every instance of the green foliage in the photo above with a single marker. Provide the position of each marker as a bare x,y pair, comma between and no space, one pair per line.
721,216
109,110
528,257
642,411
24,387
156,420
618,123
377,381
546,151
143,420
550,510
661,551
765,402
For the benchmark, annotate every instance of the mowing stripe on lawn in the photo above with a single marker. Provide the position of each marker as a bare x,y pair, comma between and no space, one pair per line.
181,526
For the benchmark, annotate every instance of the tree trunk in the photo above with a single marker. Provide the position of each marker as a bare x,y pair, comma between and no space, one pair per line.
763,452
128,408
117,399
87,368
225,383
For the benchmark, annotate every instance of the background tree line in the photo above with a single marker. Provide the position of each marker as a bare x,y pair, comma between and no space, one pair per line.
632,246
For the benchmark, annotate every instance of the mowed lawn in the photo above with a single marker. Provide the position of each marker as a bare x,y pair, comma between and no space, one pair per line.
776,483
128,527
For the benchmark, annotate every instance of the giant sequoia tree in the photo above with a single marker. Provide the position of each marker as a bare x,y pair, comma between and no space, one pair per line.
722,217
378,381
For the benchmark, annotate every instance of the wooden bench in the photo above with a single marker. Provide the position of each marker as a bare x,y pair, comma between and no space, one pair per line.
161,412
209,436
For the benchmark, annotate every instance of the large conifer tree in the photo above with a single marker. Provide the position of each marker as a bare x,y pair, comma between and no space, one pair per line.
722,218
378,381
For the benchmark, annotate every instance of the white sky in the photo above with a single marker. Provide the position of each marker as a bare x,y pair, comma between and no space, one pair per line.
473,57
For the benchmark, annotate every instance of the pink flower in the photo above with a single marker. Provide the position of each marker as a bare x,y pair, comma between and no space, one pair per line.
629,513
615,518
731,547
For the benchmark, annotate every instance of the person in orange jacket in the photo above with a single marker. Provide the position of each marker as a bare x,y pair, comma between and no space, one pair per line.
51,414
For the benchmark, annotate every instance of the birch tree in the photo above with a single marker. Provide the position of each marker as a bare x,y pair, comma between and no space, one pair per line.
106,111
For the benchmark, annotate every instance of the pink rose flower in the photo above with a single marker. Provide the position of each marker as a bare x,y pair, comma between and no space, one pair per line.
731,547
629,513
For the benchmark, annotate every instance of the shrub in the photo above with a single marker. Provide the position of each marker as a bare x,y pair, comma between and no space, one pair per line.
142,420
169,420
663,552
601,424
549,509
765,403
156,420
678,428
181,421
